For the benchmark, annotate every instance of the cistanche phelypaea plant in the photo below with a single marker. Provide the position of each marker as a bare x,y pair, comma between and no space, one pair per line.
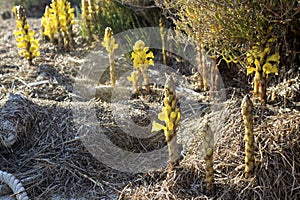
201,53
89,16
47,29
142,57
208,153
247,107
58,22
68,23
110,45
262,63
170,115
163,39
134,78
25,36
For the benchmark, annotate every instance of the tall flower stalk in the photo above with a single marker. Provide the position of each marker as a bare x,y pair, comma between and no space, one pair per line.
110,45
58,22
163,39
170,115
247,107
89,15
25,36
142,57
262,63
208,153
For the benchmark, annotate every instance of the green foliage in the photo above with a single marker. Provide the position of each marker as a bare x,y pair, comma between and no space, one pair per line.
116,16
28,3
229,28
109,13
36,8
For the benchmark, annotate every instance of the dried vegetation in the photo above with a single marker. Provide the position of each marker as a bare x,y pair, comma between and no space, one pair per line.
49,158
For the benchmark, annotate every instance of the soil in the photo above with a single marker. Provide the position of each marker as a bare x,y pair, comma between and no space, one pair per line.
52,160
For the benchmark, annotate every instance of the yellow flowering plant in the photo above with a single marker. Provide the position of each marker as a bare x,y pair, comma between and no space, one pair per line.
142,57
25,36
247,108
134,78
170,115
58,22
110,45
47,29
89,15
262,63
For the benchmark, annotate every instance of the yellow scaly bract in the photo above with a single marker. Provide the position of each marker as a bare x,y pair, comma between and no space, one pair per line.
141,55
134,77
25,36
109,40
58,21
170,115
256,56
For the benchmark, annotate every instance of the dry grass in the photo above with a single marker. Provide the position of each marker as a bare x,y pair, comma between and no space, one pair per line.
52,160
277,174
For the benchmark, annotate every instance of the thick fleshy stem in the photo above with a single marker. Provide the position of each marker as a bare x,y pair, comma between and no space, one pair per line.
144,71
110,45
87,18
202,69
170,115
247,107
163,39
208,153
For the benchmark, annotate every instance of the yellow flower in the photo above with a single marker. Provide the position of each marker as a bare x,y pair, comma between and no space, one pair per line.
109,40
256,63
14,10
274,58
269,68
157,127
141,55
250,70
134,77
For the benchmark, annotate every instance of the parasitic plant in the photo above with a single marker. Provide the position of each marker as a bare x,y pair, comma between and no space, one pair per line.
110,45
134,78
201,53
86,16
262,63
170,115
89,15
47,29
54,19
58,22
67,23
247,107
142,58
208,153
163,39
25,36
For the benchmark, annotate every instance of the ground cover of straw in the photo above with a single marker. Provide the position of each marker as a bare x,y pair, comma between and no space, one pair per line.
52,162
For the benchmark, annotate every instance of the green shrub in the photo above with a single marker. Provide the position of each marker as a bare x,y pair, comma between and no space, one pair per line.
109,13
230,28
36,8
